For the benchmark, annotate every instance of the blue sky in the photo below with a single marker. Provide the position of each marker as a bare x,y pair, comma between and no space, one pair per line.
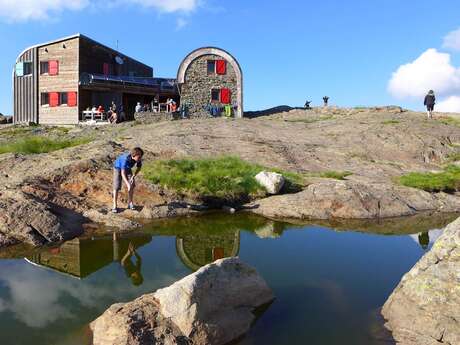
289,50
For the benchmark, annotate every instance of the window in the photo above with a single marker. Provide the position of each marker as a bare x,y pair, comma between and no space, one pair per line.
23,68
53,67
63,98
211,67
45,99
225,96
44,67
54,99
27,68
215,95
221,67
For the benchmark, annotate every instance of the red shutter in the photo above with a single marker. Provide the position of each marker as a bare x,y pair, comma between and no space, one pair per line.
53,67
71,99
225,96
221,66
54,99
106,68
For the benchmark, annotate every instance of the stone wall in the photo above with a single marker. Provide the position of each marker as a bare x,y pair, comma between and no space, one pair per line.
196,91
147,116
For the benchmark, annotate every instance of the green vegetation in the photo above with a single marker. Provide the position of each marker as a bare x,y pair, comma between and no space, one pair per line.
450,121
390,122
38,144
453,157
224,177
445,181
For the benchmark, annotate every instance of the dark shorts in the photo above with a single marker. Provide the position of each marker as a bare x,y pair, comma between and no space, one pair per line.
118,180
430,107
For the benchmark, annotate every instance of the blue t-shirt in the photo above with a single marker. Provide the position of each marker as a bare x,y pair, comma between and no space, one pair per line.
126,162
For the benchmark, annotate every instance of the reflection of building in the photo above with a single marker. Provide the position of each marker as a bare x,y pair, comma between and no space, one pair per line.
82,257
197,250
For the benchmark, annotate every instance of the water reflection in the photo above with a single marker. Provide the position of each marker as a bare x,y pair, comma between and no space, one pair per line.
316,274
81,257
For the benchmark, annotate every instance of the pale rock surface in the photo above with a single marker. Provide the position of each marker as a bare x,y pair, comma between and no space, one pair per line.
215,305
424,309
271,181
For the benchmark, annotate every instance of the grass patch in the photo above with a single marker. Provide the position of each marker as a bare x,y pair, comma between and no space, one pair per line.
225,177
446,181
34,145
450,121
453,157
390,122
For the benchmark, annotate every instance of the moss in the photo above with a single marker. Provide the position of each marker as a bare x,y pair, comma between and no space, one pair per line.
38,144
224,177
390,122
444,181
450,121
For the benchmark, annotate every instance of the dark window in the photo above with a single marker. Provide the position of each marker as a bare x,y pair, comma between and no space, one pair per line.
211,67
44,67
27,68
45,98
215,95
62,98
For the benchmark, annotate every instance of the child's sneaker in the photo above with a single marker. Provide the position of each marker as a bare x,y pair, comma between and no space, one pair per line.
131,206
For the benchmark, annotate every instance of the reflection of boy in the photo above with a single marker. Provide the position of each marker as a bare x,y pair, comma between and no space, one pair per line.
133,271
122,172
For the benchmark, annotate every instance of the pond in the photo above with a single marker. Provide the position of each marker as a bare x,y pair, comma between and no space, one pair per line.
330,280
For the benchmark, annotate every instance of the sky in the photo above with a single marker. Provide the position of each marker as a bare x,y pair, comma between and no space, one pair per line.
358,52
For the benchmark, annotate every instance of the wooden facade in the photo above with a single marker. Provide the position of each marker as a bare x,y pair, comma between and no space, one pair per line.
48,88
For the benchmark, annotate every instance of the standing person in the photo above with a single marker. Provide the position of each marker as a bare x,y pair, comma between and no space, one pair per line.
430,101
325,100
138,107
122,173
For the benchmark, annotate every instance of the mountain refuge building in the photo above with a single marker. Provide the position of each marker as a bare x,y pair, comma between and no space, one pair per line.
57,82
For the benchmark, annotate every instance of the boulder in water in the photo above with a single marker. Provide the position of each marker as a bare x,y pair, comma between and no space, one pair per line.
215,305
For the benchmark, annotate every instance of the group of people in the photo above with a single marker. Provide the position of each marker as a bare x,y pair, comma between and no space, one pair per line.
113,116
154,106
216,110
325,102
429,102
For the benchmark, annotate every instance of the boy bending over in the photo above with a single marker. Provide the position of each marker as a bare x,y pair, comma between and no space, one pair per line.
122,173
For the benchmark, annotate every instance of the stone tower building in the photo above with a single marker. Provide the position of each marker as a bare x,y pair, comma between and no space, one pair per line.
209,79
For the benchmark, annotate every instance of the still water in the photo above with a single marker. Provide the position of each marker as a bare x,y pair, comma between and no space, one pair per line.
329,281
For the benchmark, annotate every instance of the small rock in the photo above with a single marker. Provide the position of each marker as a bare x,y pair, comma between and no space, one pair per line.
271,181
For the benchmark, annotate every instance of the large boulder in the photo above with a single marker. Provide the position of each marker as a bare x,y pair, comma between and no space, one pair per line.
271,181
424,309
215,305
330,199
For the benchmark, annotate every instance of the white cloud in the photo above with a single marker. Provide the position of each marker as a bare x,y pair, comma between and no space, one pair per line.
169,5
24,10
452,40
449,105
431,70
180,23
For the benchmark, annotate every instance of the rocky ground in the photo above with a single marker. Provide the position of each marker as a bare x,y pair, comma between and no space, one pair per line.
425,307
55,196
